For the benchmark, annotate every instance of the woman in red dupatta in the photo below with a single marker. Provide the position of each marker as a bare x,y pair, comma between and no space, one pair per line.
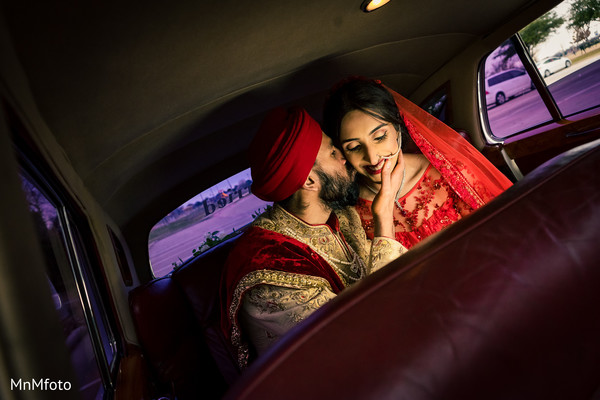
447,181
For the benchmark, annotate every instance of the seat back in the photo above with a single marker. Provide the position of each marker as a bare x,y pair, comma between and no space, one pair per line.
500,305
177,322
200,282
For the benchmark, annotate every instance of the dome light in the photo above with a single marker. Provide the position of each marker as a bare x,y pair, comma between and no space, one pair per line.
372,5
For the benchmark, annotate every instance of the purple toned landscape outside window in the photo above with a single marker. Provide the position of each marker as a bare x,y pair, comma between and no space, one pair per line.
570,71
214,215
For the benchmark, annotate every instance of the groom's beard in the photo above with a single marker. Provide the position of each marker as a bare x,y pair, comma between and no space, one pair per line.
338,191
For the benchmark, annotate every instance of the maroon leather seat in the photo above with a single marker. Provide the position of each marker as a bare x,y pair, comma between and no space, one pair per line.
501,305
177,321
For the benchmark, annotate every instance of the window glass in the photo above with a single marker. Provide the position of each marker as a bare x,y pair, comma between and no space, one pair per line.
512,101
53,235
437,104
99,323
202,222
565,46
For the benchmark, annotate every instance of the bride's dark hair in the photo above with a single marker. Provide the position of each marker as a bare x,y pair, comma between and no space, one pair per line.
358,93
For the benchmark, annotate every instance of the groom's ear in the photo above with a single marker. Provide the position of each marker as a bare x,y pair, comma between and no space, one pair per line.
312,182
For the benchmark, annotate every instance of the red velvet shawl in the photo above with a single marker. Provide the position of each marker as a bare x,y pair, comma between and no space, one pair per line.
261,249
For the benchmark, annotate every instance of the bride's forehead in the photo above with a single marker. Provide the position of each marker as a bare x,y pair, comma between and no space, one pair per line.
358,121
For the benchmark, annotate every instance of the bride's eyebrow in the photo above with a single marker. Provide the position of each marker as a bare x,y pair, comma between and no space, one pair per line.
378,127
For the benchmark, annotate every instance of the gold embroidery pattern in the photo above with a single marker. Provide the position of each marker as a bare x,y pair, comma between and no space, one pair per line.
278,278
322,240
265,299
384,251
269,299
296,304
378,253
352,229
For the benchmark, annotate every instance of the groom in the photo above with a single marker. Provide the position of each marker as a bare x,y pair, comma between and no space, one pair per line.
305,249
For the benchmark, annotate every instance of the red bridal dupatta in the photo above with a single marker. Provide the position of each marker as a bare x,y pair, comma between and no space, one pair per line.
467,171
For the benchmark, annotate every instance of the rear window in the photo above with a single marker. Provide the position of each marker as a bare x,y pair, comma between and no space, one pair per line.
214,215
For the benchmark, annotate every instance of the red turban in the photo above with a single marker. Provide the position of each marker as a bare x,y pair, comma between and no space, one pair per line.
283,152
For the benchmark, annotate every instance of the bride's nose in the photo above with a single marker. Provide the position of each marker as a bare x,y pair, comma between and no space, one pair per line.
372,155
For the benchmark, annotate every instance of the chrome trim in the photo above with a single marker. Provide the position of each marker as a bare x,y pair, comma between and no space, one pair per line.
483,119
512,165
74,247
107,370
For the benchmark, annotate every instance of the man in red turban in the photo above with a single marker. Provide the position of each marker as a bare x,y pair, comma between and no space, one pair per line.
310,245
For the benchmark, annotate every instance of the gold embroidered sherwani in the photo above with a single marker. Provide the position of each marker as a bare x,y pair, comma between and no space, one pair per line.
296,269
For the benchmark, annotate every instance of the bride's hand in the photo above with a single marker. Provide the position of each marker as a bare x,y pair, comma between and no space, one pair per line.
383,203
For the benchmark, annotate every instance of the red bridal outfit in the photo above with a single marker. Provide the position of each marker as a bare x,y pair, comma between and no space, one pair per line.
457,182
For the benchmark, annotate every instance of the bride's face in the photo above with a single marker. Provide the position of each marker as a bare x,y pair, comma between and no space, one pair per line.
365,141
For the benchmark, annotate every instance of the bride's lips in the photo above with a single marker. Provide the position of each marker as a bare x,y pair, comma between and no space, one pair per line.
374,169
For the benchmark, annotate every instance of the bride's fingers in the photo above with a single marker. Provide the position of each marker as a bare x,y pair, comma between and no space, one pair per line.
386,176
394,176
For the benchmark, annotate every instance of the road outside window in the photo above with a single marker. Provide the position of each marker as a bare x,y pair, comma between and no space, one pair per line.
512,101
565,46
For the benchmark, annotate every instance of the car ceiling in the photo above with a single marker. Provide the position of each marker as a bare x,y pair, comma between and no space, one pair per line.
147,98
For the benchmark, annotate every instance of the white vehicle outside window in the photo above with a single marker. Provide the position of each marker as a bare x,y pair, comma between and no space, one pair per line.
548,66
504,85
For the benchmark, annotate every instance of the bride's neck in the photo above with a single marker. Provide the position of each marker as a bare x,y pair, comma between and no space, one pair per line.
368,188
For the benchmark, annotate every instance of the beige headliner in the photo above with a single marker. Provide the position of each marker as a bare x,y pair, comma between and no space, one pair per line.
152,98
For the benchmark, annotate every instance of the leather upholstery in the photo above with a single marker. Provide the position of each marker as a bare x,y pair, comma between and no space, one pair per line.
177,322
501,305
200,281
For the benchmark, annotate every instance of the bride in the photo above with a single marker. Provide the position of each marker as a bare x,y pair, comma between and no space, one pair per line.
447,180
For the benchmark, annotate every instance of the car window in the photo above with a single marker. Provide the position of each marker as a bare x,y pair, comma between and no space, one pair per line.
214,215
568,57
512,102
573,80
437,104
569,69
88,334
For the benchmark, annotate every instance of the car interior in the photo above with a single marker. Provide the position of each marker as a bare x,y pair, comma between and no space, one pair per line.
116,113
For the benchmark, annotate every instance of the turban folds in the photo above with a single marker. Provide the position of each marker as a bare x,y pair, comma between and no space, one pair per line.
283,152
